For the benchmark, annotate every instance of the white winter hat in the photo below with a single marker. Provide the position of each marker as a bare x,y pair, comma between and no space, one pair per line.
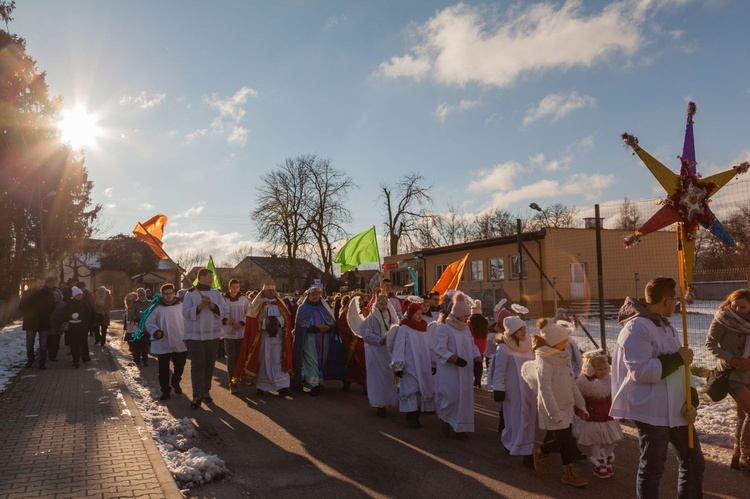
554,333
76,291
512,324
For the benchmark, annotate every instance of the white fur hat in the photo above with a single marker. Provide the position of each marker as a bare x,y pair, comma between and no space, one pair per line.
512,324
554,333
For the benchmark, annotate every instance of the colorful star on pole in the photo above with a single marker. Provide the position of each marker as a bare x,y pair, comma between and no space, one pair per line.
688,195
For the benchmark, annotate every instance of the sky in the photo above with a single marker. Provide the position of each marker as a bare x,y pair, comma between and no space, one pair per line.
497,104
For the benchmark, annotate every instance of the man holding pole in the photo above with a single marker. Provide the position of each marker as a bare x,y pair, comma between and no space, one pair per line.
649,387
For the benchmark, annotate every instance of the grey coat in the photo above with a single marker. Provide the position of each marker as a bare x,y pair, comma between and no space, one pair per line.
725,344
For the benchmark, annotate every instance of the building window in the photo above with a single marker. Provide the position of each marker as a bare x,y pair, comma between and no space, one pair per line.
476,270
515,271
497,269
398,277
439,269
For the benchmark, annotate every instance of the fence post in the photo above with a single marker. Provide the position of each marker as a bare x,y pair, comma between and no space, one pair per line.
600,278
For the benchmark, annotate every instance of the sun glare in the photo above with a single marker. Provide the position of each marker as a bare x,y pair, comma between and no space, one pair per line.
79,128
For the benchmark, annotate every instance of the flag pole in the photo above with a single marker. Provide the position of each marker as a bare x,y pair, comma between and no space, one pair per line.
161,246
683,310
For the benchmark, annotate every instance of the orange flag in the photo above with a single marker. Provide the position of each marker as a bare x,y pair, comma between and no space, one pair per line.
151,232
451,276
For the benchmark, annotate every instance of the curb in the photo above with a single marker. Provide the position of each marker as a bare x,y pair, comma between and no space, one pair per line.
163,476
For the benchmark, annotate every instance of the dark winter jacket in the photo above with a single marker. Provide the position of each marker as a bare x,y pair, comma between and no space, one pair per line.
36,306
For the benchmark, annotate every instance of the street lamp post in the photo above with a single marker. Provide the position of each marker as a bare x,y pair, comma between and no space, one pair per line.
536,207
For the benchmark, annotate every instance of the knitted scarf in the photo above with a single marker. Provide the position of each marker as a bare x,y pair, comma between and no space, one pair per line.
419,326
460,325
736,323
522,347
553,355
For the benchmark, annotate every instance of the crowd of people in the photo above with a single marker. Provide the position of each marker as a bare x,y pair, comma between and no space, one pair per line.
426,355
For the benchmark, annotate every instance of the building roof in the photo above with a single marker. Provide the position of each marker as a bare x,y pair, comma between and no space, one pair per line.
496,241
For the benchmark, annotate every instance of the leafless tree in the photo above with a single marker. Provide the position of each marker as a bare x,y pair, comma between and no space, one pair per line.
713,254
493,223
238,254
556,215
404,206
325,209
629,217
282,195
188,259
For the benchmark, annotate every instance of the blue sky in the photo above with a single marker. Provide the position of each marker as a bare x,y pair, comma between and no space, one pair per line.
497,103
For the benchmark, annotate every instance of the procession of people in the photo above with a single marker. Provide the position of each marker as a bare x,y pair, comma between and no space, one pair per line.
412,355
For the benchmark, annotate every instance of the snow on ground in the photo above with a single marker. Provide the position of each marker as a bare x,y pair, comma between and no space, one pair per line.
175,438
12,353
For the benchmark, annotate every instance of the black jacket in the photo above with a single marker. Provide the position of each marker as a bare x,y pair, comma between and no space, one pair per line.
36,306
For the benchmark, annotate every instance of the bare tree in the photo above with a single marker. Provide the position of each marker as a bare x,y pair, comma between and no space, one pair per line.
238,254
712,253
629,217
403,204
493,223
324,210
282,195
188,259
556,215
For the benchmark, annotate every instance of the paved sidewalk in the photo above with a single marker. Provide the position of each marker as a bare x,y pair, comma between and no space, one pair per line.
69,432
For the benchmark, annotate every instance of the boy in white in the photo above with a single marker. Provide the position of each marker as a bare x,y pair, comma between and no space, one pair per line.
203,311
166,327
233,330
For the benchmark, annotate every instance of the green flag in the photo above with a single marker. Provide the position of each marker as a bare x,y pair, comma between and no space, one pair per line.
210,266
362,248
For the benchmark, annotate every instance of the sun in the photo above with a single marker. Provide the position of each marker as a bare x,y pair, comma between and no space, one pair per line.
79,128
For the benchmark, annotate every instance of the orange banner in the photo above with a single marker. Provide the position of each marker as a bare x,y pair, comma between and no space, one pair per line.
451,276
150,232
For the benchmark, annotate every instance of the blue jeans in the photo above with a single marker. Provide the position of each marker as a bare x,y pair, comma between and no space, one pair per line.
30,337
653,442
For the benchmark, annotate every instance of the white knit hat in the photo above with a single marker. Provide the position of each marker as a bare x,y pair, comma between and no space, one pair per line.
554,333
512,324
461,306
75,291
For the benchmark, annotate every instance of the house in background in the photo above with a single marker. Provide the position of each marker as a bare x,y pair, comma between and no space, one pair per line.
84,266
255,271
555,267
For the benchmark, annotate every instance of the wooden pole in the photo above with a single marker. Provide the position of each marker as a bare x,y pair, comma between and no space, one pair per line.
683,310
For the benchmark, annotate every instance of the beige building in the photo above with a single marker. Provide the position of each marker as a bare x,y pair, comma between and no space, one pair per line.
558,266
255,271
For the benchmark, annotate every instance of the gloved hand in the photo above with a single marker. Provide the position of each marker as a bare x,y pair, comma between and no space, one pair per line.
158,334
691,414
686,354
499,396
399,374
461,362
434,370
478,374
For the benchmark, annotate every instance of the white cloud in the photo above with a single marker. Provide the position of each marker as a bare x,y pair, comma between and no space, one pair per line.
557,106
499,177
192,211
464,44
145,206
144,100
216,244
110,206
443,110
580,184
585,144
228,122
335,21
108,191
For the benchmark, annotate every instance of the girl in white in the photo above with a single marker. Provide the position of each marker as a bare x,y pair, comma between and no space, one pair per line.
516,396
597,429
558,395
412,363
457,356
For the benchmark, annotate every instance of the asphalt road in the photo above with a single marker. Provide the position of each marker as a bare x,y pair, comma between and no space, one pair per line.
334,446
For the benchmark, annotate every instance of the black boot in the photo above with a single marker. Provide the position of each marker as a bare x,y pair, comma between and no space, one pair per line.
381,412
412,419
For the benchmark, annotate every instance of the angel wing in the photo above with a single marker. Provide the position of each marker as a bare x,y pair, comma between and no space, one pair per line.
354,316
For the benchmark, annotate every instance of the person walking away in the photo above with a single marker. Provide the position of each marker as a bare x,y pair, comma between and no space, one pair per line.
649,388
233,328
37,305
103,304
729,341
140,346
167,327
598,430
557,397
55,321
382,391
77,314
517,398
203,311
454,391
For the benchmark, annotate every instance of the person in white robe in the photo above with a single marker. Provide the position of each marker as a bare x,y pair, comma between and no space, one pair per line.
511,390
411,360
233,329
381,387
167,328
455,350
